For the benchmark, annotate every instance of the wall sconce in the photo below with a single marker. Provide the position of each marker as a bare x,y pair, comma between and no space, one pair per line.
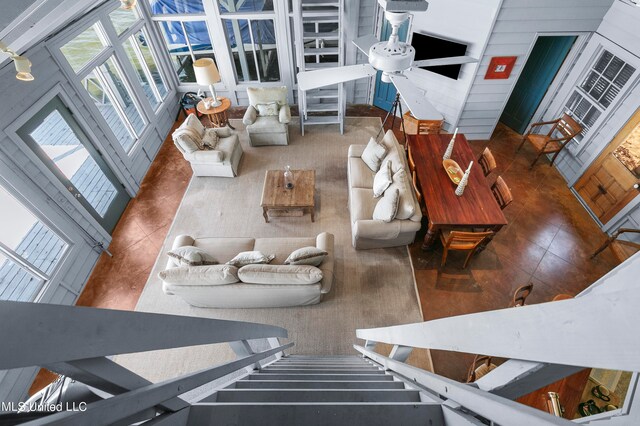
23,65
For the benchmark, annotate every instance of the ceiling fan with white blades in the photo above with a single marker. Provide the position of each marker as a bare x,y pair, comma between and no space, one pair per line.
393,57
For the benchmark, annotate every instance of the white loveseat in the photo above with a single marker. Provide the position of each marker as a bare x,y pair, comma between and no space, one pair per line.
222,160
367,233
277,293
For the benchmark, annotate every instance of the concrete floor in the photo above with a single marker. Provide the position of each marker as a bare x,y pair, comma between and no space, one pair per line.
548,241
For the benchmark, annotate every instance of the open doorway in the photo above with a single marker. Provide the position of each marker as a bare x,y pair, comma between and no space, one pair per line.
543,63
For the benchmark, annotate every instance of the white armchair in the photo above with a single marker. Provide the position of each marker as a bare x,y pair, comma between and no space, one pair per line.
268,116
211,152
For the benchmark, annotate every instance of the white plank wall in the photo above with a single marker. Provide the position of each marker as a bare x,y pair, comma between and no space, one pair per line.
514,33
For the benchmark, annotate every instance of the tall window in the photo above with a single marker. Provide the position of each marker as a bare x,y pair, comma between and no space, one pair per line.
253,48
121,96
182,23
29,251
252,41
601,85
143,62
186,42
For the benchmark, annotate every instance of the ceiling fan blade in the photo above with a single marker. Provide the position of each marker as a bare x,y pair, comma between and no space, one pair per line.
415,98
454,60
364,43
308,80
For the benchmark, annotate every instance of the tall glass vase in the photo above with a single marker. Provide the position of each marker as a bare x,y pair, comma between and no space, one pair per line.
288,177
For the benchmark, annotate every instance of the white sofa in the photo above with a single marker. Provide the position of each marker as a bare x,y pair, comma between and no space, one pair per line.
222,160
249,294
271,129
367,233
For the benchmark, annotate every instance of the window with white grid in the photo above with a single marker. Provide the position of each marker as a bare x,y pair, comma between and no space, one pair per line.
596,92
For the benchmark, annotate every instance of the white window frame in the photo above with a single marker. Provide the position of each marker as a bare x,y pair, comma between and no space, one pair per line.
47,278
127,73
590,54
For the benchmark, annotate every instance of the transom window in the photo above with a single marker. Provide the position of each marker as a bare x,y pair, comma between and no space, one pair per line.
597,91
29,251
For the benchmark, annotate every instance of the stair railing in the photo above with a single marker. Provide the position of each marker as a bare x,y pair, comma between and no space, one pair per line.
75,341
545,343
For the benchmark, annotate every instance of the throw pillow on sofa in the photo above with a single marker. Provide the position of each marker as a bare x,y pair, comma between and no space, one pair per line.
269,109
200,275
387,207
373,155
250,257
382,179
406,204
279,274
191,256
306,256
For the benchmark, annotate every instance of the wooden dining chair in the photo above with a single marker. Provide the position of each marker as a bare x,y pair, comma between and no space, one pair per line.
410,160
562,131
520,295
621,249
417,189
501,192
480,366
461,240
428,127
487,162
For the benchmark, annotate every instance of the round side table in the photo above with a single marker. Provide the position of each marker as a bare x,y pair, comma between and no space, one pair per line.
217,115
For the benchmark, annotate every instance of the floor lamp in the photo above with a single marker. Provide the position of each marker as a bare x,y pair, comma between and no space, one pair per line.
207,75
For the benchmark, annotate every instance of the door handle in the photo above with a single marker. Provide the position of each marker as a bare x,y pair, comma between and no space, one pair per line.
602,189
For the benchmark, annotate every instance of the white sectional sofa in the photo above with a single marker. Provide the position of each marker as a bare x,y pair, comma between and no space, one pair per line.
367,233
276,293
222,160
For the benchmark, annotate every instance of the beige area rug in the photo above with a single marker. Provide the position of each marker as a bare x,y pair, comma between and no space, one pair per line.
372,288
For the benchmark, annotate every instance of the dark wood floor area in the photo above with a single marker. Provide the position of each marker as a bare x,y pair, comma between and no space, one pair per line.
548,241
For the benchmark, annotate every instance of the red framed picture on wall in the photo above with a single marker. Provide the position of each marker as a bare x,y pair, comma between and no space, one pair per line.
500,67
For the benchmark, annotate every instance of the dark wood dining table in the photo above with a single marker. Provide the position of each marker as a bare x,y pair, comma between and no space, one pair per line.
476,208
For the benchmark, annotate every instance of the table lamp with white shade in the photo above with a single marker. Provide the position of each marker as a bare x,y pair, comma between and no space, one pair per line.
207,75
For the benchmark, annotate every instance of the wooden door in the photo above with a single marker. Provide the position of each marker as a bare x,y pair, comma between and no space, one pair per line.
608,185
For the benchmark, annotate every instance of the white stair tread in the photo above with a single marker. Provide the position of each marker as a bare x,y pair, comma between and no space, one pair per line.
343,377
323,107
318,384
322,119
322,35
321,51
318,395
319,65
322,93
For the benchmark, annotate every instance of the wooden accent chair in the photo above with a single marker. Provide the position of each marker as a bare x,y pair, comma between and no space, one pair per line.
621,249
566,127
520,295
461,240
501,192
487,162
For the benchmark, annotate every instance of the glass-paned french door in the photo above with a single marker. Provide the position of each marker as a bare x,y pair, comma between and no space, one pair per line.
57,139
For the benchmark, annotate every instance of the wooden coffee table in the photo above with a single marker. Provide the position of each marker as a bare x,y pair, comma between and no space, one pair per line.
289,202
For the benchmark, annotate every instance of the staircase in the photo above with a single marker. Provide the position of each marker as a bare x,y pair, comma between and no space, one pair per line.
266,385
322,390
319,44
